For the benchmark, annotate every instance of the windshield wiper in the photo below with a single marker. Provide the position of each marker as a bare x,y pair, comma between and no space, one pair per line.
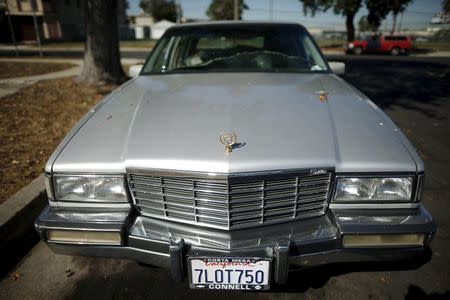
187,68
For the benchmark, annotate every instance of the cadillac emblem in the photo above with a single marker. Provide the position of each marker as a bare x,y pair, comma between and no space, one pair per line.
228,140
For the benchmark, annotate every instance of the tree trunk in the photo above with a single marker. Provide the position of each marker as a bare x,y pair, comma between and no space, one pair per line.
101,51
394,23
350,27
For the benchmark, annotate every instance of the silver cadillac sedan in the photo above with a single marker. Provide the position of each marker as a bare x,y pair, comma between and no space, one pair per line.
235,155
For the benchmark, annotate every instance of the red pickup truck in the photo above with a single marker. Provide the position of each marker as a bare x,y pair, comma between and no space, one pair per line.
380,43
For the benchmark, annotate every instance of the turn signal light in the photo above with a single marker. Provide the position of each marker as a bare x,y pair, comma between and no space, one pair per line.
84,237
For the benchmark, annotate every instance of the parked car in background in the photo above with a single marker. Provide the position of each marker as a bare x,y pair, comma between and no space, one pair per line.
235,155
380,43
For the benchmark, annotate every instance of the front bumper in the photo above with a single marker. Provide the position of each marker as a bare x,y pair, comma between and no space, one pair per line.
296,245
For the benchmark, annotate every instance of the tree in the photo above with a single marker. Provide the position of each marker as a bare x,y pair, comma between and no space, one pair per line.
224,9
379,9
101,51
2,14
160,9
347,8
364,25
396,7
446,6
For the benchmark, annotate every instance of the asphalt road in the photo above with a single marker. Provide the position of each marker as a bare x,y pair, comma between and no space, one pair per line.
415,94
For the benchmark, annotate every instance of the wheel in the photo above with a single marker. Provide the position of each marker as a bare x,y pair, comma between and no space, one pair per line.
357,50
395,51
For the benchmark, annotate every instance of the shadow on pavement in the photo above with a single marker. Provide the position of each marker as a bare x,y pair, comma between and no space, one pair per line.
407,83
135,281
301,281
415,292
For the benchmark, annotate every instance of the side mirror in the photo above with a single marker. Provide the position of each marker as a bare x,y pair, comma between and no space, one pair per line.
337,67
134,71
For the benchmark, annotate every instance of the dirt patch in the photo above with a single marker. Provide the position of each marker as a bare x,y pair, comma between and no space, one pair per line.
32,123
19,69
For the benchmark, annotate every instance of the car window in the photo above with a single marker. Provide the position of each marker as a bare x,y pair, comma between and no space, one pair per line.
374,37
243,49
395,38
156,61
223,42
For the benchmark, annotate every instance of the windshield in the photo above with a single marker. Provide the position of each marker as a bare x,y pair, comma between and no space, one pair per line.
243,48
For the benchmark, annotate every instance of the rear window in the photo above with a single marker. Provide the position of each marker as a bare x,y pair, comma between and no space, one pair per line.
224,42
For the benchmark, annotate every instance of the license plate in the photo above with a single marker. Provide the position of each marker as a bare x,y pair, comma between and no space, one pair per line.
235,273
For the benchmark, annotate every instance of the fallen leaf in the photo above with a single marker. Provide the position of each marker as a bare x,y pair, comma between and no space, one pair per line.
16,275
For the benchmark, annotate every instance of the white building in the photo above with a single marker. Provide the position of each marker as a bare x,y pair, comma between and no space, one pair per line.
159,28
140,25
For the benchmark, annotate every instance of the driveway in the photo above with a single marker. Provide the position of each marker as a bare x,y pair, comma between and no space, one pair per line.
416,95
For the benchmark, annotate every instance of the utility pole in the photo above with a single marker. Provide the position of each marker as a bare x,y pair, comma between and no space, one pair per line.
401,21
36,29
13,37
236,10
271,9
178,10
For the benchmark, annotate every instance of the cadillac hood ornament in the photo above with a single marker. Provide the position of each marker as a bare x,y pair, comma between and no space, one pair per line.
228,140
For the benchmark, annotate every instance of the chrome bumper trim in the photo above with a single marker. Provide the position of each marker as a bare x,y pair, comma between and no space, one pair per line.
291,246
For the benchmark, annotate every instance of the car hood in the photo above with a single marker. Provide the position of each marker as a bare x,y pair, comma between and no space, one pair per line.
174,122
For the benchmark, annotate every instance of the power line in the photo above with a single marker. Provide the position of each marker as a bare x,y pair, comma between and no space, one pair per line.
275,10
294,12
420,12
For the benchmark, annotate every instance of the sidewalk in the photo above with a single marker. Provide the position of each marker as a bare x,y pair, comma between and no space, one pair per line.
12,85
74,49
434,54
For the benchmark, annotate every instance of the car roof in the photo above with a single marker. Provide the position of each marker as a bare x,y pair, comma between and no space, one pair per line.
234,23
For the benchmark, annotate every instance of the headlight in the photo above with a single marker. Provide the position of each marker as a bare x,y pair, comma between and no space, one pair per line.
354,189
90,188
350,45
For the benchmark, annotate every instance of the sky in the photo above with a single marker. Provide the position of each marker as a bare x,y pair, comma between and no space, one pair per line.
417,15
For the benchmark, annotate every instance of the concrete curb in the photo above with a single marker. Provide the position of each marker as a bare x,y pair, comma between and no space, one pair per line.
17,216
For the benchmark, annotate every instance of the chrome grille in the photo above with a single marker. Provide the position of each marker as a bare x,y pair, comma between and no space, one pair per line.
231,202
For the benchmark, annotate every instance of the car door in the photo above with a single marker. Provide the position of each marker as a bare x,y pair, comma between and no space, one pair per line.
373,43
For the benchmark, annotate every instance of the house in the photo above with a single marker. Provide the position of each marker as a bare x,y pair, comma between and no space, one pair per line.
140,23
158,29
141,19
56,19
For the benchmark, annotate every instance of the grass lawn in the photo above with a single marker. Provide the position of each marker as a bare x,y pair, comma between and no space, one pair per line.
18,69
32,123
331,43
147,44
432,46
428,46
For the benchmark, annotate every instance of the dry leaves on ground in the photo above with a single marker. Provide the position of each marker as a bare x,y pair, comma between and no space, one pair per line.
19,69
32,123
